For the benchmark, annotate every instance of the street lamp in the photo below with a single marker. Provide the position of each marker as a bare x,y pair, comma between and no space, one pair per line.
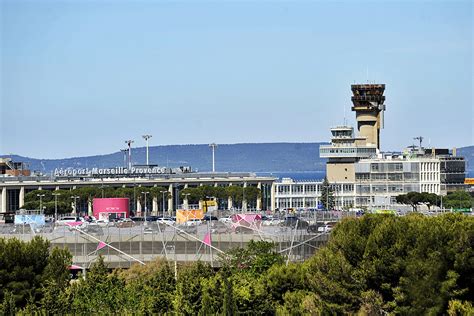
56,205
213,147
129,143
145,193
75,197
41,201
163,193
146,137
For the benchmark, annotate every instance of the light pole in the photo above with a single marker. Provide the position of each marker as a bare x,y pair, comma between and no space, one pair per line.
75,197
56,205
41,201
147,137
244,203
145,193
213,147
163,193
102,186
129,143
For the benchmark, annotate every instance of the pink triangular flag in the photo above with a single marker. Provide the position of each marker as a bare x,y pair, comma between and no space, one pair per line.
207,239
101,245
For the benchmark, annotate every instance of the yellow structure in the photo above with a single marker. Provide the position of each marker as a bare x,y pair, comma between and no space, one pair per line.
183,216
469,181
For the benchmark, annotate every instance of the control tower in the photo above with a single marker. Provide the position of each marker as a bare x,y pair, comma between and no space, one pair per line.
368,103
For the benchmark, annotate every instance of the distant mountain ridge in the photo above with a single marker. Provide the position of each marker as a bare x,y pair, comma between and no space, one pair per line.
261,157
254,157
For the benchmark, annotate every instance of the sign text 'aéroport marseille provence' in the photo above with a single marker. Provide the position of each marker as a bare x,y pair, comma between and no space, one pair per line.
72,172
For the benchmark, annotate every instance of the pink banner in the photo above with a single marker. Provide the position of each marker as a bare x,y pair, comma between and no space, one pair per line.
101,245
207,239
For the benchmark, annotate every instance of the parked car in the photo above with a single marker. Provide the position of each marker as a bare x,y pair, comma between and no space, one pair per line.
137,219
125,223
210,218
193,222
101,223
292,221
324,229
271,221
166,220
312,229
68,219
226,220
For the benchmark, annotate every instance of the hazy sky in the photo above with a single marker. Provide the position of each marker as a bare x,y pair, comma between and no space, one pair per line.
80,77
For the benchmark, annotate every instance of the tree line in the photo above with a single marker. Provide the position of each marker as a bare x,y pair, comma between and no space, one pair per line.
377,264
64,200
455,200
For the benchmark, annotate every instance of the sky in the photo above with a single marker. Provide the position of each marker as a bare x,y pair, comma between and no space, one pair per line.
80,77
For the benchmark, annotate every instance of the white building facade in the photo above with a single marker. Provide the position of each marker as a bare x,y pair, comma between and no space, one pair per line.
378,182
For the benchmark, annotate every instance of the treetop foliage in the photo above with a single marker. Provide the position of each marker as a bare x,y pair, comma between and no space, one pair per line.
377,264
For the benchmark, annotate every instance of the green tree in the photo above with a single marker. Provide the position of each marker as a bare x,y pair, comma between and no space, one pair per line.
229,306
99,293
149,288
8,306
327,195
21,268
255,259
187,300
458,200
55,282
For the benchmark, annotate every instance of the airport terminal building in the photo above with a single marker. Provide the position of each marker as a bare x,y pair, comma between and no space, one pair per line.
14,188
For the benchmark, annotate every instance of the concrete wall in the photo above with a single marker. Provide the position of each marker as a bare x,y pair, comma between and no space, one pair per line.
340,172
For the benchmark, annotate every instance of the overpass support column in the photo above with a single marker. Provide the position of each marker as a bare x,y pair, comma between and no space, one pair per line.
22,197
229,200
139,208
244,199
3,204
170,199
185,199
259,199
154,209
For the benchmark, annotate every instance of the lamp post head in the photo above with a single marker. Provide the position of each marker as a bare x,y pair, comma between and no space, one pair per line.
146,137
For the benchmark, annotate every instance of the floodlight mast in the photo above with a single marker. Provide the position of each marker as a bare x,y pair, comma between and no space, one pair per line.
129,143
147,137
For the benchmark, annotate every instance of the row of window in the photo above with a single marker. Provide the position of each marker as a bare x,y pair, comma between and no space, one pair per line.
402,176
351,150
311,188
